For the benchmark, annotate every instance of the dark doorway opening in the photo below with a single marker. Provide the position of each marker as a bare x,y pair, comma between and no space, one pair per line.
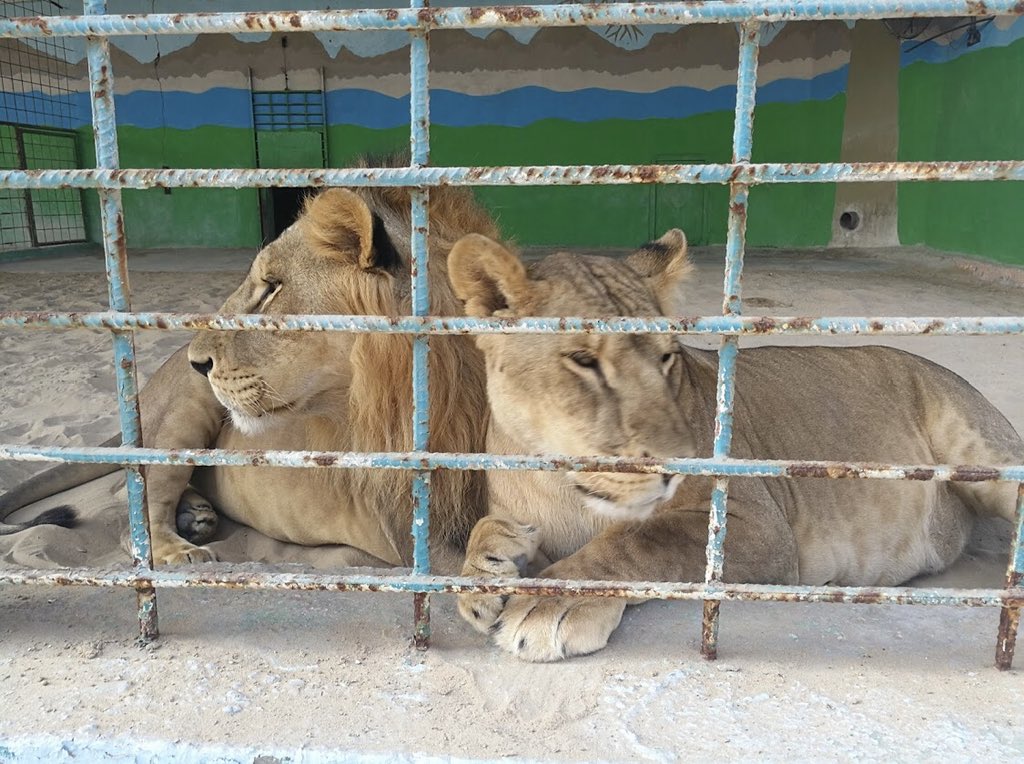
280,207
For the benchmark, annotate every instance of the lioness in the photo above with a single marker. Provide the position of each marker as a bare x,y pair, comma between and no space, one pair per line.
633,395
348,253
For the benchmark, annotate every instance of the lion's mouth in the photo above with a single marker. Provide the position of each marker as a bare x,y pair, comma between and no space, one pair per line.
636,507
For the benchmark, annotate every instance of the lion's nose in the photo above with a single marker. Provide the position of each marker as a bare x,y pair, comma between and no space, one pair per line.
203,367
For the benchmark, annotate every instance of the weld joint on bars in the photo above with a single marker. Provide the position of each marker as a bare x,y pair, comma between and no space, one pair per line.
426,18
526,175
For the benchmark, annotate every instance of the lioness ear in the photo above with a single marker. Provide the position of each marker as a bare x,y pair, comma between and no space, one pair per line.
339,224
665,265
486,276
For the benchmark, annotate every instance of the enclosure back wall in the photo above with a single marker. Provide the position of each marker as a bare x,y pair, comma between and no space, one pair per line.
571,95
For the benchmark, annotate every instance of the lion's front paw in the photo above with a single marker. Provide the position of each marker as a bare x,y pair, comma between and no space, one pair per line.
497,548
544,629
196,519
181,552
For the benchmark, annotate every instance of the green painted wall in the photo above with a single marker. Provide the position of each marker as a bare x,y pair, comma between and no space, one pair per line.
185,217
579,216
969,108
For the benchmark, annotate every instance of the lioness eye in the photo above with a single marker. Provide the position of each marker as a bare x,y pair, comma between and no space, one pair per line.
584,359
667,360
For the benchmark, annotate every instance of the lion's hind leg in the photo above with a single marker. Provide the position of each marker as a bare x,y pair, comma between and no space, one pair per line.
978,435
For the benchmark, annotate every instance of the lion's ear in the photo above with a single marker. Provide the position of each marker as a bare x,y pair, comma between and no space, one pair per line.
665,265
340,225
486,276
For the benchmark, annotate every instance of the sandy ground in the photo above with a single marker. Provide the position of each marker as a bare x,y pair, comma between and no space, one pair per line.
293,675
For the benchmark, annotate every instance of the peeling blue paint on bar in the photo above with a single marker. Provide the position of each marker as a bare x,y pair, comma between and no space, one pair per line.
426,460
101,90
900,326
526,175
419,129
740,174
713,11
224,577
1009,616
742,141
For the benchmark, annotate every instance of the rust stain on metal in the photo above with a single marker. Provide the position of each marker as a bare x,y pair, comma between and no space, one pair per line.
325,460
933,325
708,648
967,474
516,13
877,326
119,244
833,471
295,20
921,473
763,325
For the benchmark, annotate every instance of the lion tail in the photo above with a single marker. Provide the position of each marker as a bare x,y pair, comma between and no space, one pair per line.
65,516
61,478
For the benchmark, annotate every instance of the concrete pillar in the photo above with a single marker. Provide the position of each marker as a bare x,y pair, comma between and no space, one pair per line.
865,214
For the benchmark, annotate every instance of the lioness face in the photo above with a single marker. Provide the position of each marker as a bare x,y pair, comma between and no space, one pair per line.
612,395
335,259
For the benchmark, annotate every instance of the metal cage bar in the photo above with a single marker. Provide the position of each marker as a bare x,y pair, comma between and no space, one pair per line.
396,19
539,175
101,90
419,117
740,174
742,140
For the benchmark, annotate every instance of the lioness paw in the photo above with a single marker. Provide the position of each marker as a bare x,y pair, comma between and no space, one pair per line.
497,548
545,629
195,519
182,553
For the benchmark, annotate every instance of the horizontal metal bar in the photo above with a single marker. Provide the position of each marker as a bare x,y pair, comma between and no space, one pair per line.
405,584
537,175
731,325
426,460
712,12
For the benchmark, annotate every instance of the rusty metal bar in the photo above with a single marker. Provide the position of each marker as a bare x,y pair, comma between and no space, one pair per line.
742,140
1009,616
425,460
526,175
215,576
419,128
710,12
101,89
902,326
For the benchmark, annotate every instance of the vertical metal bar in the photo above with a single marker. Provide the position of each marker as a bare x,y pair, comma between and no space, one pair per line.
742,138
30,217
1009,617
104,125
419,116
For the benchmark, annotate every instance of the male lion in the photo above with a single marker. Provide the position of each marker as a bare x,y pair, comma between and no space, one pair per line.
348,253
640,396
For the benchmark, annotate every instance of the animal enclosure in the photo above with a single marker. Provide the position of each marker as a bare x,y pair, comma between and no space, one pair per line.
740,176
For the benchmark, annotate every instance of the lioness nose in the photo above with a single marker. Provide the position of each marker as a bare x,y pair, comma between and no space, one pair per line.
203,367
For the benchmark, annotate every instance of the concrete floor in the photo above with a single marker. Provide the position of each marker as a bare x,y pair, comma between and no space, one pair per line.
241,675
